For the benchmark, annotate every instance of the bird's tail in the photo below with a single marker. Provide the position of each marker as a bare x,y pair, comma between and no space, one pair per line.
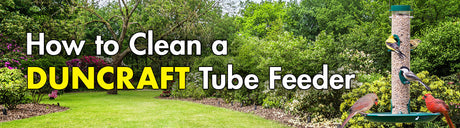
426,86
401,55
449,121
348,119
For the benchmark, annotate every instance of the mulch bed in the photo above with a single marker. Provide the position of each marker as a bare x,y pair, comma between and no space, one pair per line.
267,113
29,110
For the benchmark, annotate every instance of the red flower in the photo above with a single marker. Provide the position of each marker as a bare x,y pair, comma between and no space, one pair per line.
450,83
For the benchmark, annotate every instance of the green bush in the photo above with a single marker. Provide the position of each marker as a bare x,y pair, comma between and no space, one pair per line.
382,88
316,103
277,97
453,81
12,87
219,66
44,63
248,97
439,51
193,88
273,102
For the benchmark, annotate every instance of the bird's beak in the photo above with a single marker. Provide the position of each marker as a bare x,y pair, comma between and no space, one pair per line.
376,102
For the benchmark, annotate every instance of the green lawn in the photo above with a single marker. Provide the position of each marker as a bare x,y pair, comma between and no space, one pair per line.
137,109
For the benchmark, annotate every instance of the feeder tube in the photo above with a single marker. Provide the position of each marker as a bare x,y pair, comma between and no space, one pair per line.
400,96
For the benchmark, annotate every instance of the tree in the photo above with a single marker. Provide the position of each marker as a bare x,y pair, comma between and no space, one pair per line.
178,16
439,51
262,20
52,17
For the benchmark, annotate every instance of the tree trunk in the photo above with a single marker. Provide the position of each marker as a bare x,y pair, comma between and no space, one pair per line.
117,59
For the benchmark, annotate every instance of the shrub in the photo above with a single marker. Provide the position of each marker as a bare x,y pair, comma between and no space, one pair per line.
314,102
453,81
355,61
53,94
88,61
45,62
439,51
219,66
382,88
92,61
278,97
12,87
248,97
11,53
167,92
193,88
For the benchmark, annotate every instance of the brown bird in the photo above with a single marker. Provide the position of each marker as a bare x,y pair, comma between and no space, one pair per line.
362,105
414,43
437,105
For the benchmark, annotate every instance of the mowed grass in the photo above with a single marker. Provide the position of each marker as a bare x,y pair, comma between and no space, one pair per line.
137,108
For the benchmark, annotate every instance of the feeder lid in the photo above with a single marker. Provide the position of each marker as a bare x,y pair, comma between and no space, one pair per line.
401,118
400,8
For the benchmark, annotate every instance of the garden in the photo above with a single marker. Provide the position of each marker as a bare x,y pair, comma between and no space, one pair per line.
299,36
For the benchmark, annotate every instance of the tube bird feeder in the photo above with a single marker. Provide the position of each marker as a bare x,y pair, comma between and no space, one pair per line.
400,90
400,25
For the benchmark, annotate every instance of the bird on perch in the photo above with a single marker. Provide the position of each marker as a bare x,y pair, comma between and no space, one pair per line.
437,105
409,75
361,105
391,44
414,43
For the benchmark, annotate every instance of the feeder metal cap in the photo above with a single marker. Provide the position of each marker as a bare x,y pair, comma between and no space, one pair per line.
400,8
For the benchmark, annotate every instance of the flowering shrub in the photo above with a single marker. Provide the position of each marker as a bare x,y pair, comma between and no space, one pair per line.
314,103
167,92
11,53
53,94
355,61
92,61
88,61
73,63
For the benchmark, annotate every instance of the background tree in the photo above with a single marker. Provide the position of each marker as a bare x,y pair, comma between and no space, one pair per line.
169,20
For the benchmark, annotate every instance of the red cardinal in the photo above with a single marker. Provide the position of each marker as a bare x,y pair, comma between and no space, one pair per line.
363,104
437,105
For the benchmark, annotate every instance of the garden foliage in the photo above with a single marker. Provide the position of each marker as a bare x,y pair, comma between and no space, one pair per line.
11,53
45,62
439,50
12,87
193,86
83,63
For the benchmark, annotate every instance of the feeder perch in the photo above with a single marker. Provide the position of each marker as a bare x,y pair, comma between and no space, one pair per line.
401,118
398,41
400,91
